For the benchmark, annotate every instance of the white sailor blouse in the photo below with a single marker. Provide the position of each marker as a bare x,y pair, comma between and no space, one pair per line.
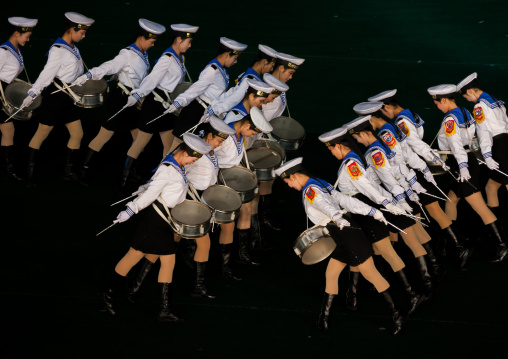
169,183
203,173
131,65
11,62
490,116
168,72
456,131
231,152
64,63
321,201
275,108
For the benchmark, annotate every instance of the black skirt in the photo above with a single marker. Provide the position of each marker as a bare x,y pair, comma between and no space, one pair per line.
152,234
57,109
464,189
189,117
125,120
500,155
429,187
152,109
353,247
375,230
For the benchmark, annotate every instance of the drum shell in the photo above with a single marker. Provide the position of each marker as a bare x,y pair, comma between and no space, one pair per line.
246,195
91,100
281,126
17,91
220,215
264,173
179,89
190,230
274,145
314,245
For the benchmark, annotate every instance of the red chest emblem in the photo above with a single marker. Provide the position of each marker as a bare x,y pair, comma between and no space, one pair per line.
354,171
310,194
379,159
450,127
389,140
479,116
403,128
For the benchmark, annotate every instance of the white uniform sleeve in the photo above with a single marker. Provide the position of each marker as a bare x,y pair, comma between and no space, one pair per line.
48,73
384,172
155,77
159,180
110,67
359,180
3,58
412,159
233,97
322,202
483,129
417,145
206,78
274,109
352,205
455,141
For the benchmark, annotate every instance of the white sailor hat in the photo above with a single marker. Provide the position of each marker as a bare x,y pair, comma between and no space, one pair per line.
233,46
151,29
367,108
339,135
441,91
277,85
81,21
219,127
23,24
383,96
359,124
184,31
469,82
259,121
266,52
196,143
290,167
289,61
260,88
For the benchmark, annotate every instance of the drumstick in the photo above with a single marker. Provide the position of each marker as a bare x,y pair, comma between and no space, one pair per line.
123,108
105,229
125,199
63,88
425,214
14,114
397,228
495,169
223,180
156,118
442,192
431,195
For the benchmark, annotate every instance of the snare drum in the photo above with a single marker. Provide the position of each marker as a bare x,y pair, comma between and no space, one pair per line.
91,94
224,202
15,93
242,180
179,89
475,148
274,145
191,219
288,132
263,161
314,245
436,168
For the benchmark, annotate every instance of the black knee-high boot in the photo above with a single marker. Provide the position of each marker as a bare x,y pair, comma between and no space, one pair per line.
6,157
199,282
70,173
166,310
85,168
126,171
257,240
438,269
497,233
396,315
226,271
243,248
324,314
187,249
424,274
30,168
135,284
414,299
116,284
266,212
351,294
464,252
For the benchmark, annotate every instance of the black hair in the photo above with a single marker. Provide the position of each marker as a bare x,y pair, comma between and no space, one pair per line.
393,100
139,32
354,146
223,50
13,28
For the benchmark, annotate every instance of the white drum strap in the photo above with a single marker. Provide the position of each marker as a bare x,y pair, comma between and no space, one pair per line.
245,156
193,193
26,73
202,103
67,90
287,107
168,219
124,88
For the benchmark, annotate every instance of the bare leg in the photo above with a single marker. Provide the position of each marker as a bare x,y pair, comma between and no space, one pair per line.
76,134
491,191
139,144
128,261
167,140
421,233
176,142
332,274
167,267
412,242
369,272
101,139
203,249
244,216
226,233
478,204
438,214
7,130
384,247
451,207
40,135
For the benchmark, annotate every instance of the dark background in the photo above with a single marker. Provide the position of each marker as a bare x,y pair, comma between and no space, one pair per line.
53,266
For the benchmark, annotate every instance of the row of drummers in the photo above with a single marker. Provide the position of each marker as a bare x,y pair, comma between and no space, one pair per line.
141,101
393,175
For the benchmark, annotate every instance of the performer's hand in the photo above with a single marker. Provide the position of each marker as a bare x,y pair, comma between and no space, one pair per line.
340,222
80,80
378,216
131,101
394,209
124,216
27,101
491,164
464,174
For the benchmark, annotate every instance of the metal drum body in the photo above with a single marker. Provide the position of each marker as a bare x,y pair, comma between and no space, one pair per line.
179,89
475,148
91,94
314,245
263,161
435,168
242,180
224,202
15,93
274,145
288,132
191,219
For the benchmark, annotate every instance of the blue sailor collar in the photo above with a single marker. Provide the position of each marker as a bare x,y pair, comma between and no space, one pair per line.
458,116
64,45
240,108
376,145
238,143
222,70
490,100
213,159
317,182
169,160
283,98
409,115
179,59
143,56
250,72
389,127
16,53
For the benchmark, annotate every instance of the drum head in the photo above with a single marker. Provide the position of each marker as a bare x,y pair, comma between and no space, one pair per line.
91,87
286,128
263,142
179,89
191,213
222,198
263,158
238,178
16,92
319,250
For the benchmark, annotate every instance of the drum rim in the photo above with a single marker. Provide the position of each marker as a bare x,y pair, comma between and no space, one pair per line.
267,168
220,210
28,110
313,243
245,169
274,121
190,225
77,92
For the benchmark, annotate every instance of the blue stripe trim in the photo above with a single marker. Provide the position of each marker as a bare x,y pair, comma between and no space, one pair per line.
210,111
463,165
409,192
412,181
400,196
372,211
394,201
487,155
89,74
385,202
129,211
32,94
426,169
176,104
135,95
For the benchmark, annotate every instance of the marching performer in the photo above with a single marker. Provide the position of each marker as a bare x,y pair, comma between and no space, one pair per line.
353,248
456,134
168,72
11,65
130,66
153,234
411,126
492,130
63,67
